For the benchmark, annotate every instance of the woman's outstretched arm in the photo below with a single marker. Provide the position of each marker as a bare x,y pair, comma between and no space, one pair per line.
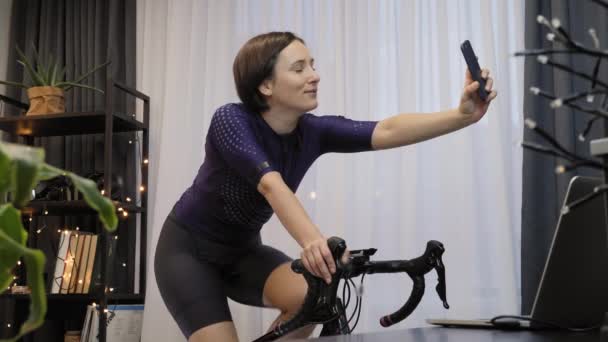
410,128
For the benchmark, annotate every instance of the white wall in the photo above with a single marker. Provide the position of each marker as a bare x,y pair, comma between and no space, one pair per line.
5,14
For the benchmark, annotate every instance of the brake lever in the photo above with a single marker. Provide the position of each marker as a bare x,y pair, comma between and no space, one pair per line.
416,269
440,269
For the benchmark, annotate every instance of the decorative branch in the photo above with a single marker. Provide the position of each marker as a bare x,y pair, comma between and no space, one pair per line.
558,35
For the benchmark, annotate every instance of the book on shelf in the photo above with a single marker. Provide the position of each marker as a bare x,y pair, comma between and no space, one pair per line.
68,263
76,265
77,262
62,251
90,262
82,263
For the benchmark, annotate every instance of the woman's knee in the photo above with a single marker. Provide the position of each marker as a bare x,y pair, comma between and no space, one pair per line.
285,290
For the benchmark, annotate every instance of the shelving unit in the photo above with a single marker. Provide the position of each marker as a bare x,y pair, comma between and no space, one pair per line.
106,122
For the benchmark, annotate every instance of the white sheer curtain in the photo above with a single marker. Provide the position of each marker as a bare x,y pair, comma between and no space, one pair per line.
376,59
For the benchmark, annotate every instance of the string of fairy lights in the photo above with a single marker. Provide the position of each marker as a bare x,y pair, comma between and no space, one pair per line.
592,101
121,208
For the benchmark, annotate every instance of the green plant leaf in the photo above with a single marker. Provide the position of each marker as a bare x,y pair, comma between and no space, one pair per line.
69,85
21,85
34,263
5,171
48,69
81,78
34,266
52,78
47,172
28,66
60,76
24,172
10,225
103,205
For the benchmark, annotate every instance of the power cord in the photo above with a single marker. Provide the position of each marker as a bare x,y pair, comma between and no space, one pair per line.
513,321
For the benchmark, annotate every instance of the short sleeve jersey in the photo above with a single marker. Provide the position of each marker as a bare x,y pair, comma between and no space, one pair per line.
223,202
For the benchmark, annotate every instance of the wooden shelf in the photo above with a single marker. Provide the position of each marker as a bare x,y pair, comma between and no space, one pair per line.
59,208
67,124
80,297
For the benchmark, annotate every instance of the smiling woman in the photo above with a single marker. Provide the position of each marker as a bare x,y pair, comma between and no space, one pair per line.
256,155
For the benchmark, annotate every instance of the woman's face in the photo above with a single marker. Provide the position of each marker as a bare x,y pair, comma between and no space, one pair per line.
294,84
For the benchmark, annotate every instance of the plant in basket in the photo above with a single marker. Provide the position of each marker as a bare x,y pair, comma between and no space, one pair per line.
46,84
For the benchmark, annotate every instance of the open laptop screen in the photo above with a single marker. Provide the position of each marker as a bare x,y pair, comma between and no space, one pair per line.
573,290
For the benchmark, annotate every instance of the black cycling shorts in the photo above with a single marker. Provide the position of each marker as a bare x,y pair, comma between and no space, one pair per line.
195,275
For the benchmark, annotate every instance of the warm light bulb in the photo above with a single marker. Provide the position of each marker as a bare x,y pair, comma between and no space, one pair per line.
128,199
46,212
120,209
142,188
103,192
18,262
125,213
124,264
145,161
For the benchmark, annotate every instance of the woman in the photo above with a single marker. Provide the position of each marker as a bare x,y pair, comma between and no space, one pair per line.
256,154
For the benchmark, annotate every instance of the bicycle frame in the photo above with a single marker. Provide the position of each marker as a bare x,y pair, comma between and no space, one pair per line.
323,306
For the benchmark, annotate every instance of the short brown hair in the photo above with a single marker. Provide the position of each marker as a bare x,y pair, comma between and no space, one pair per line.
255,63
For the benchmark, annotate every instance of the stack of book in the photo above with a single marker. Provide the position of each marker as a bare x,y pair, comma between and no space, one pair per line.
77,264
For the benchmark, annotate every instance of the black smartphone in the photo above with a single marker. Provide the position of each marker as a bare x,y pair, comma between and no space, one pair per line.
474,69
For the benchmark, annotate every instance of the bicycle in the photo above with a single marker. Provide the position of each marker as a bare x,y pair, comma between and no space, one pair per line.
323,306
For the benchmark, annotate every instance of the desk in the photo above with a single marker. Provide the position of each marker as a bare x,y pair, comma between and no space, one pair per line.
439,334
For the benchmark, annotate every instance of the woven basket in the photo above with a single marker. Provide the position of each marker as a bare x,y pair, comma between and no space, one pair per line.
45,100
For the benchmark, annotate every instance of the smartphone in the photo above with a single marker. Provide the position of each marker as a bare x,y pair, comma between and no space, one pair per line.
474,69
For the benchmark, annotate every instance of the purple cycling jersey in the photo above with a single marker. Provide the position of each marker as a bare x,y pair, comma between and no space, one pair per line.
223,202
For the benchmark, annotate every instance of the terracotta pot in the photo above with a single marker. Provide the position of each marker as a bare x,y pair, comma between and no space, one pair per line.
45,100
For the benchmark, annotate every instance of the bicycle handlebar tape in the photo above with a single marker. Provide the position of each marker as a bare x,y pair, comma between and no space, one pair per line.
409,306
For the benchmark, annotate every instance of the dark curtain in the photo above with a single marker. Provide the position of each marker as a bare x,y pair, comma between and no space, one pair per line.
543,189
81,34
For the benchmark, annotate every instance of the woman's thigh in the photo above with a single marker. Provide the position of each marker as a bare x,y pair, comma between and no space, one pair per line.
192,289
264,278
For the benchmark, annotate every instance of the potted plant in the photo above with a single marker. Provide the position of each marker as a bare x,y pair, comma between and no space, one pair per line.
47,86
21,168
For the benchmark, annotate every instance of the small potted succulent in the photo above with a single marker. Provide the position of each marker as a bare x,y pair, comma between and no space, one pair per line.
47,85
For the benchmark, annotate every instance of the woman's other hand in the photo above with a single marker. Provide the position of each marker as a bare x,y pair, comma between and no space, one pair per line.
471,105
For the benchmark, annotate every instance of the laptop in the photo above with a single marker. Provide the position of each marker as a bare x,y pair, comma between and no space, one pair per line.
573,290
